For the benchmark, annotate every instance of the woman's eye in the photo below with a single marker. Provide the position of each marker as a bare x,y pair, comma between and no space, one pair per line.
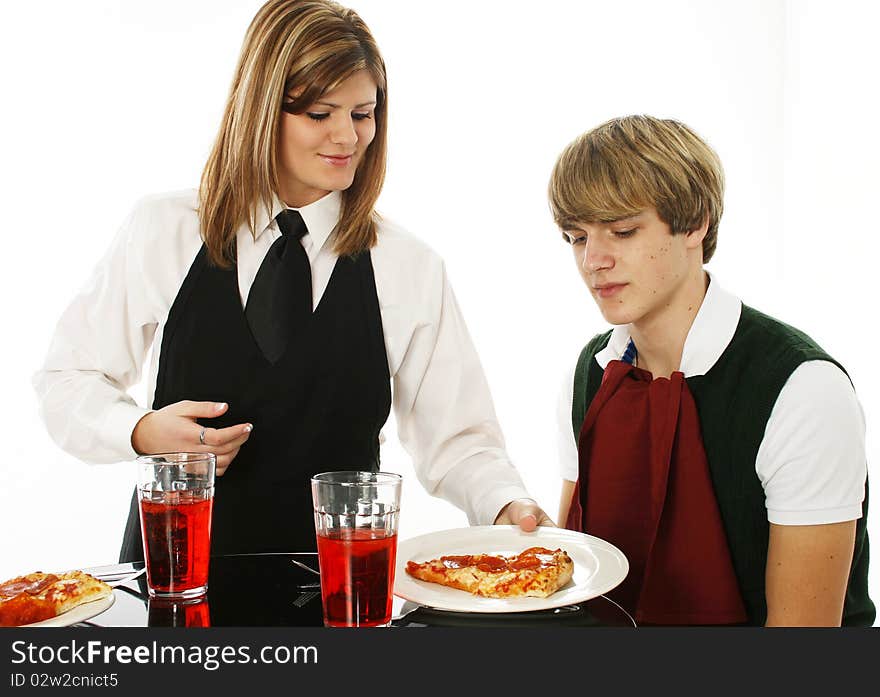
361,116
316,116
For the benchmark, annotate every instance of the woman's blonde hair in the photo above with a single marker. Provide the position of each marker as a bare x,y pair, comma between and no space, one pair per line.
310,46
628,164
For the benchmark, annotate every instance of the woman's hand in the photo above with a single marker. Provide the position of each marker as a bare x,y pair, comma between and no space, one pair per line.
174,429
523,512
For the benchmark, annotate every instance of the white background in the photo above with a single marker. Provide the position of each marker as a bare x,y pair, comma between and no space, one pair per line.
106,101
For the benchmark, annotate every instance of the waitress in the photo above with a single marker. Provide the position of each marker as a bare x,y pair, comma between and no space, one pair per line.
279,309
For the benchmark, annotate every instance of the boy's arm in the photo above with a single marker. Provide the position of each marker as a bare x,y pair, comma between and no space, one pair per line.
565,501
566,443
812,465
807,572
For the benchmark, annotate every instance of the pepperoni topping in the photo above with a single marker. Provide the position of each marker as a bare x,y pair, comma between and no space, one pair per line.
532,558
23,584
457,562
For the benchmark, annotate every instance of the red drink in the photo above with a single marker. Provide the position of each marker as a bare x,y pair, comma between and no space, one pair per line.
357,576
177,542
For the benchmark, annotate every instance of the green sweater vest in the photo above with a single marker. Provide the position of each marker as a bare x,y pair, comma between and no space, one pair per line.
734,400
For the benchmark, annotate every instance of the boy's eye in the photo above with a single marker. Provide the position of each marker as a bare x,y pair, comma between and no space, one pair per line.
316,116
625,233
574,238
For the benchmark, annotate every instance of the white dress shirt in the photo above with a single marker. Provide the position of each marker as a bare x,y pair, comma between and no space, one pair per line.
811,461
445,416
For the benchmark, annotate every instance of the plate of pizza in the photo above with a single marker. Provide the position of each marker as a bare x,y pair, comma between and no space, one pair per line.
500,568
52,600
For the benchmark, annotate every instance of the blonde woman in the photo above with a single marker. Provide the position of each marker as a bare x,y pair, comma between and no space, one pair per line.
280,309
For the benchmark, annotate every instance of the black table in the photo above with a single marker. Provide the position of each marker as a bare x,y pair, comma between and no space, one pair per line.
269,590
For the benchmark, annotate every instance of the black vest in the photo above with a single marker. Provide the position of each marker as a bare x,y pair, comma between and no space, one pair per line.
734,400
319,408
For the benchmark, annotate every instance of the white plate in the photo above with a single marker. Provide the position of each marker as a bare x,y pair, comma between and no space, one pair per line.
598,566
78,614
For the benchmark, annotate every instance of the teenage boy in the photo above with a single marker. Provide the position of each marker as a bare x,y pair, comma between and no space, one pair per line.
721,450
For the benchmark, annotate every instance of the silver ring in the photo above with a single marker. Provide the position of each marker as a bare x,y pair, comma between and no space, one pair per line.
202,436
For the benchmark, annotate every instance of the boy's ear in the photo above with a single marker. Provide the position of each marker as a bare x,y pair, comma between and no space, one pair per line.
695,236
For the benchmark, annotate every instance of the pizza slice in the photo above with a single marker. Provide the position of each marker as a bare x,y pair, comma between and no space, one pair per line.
535,572
40,596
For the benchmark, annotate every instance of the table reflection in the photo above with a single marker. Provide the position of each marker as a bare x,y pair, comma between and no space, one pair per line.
194,612
279,590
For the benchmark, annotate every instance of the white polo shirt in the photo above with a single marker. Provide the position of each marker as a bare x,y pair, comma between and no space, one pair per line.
811,461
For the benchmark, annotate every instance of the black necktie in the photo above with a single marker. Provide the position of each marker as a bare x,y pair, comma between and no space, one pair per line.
280,300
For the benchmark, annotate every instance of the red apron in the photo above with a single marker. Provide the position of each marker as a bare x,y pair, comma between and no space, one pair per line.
644,486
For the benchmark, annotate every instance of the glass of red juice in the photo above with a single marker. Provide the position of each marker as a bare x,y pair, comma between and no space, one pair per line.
175,496
356,519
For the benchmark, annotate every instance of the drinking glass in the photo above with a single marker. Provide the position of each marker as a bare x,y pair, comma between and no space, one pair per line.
356,521
175,495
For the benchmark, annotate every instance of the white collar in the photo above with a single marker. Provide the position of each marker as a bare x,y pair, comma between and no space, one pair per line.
320,217
711,332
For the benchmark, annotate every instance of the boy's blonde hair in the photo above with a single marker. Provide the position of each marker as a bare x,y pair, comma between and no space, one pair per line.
631,163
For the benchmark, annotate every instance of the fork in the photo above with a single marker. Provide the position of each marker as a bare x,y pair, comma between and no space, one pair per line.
305,598
306,586
117,578
305,566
